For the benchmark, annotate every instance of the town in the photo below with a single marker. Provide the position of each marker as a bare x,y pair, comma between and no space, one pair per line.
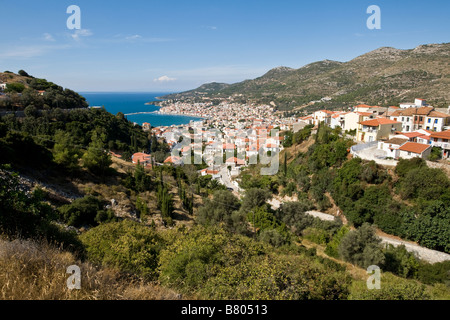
231,136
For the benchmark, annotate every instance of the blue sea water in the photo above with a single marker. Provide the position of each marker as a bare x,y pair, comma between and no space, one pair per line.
128,102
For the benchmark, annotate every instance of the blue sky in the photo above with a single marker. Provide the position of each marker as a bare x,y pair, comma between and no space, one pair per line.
168,46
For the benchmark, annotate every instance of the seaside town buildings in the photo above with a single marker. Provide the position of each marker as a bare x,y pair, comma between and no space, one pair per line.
232,135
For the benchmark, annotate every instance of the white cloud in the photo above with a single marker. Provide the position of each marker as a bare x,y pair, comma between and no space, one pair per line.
81,33
134,37
48,37
164,79
27,52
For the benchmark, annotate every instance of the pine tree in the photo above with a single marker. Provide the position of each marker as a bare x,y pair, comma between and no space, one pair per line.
96,159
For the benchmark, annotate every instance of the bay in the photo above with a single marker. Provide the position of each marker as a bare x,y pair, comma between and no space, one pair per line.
134,102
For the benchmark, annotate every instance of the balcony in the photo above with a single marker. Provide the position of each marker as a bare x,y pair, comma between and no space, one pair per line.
443,145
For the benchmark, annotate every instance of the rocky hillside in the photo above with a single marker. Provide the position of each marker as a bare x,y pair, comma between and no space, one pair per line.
386,76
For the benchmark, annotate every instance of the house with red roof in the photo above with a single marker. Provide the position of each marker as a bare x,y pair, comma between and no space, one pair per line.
414,150
322,116
441,140
174,160
142,158
377,129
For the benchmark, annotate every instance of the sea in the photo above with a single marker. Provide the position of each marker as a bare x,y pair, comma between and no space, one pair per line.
130,103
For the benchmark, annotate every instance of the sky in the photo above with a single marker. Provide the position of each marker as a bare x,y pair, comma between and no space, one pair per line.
171,45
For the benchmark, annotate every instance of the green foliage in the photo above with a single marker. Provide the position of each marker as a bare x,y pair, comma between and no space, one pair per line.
23,73
126,245
333,245
315,235
16,148
434,273
406,165
142,208
361,247
436,154
14,87
392,288
28,216
424,183
255,198
302,135
250,181
428,224
219,265
65,150
86,211
401,262
222,209
97,159
165,203
293,215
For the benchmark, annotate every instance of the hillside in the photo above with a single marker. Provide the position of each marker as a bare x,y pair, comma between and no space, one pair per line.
21,90
386,76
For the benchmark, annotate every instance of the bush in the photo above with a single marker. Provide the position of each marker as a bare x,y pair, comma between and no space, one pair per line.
15,87
87,211
361,247
435,273
392,288
126,245
333,245
401,262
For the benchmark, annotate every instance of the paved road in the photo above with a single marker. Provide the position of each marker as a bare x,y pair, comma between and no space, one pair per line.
431,256
226,180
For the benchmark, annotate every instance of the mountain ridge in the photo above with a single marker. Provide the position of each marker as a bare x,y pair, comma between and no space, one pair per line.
384,76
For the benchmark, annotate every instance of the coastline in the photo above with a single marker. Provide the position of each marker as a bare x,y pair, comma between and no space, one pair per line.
178,114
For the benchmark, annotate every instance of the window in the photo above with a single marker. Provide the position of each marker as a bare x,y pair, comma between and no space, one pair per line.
420,118
409,153
429,120
436,121
407,119
403,119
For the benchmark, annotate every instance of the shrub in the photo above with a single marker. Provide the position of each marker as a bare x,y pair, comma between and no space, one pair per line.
361,247
126,245
86,211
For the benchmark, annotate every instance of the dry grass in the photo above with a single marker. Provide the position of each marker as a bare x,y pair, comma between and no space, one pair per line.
37,271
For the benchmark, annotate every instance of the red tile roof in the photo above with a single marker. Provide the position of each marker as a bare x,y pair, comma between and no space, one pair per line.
413,147
441,135
377,122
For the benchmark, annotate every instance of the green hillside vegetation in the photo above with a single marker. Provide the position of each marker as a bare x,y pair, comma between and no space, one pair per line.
22,91
384,77
154,233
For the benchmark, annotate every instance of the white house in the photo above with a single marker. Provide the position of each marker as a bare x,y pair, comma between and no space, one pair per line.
414,150
322,116
441,140
391,146
417,103
377,129
436,121
337,120
352,119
